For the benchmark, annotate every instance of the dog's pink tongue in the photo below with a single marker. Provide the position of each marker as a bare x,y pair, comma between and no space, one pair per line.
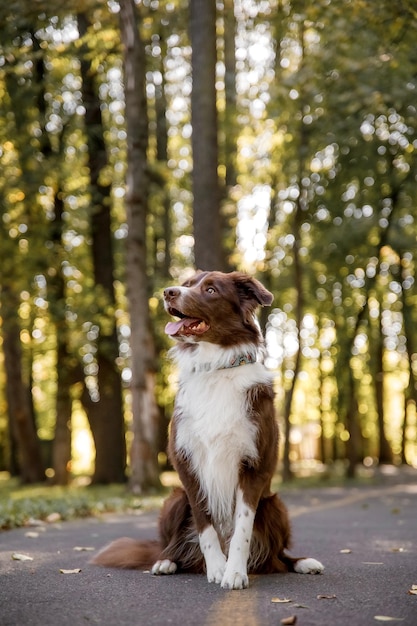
173,328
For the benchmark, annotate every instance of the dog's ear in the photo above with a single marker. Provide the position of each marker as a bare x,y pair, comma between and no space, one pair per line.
251,291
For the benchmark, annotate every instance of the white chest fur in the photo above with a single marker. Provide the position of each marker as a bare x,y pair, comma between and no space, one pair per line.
215,432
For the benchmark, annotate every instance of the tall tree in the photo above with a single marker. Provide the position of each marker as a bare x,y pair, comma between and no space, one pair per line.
61,447
208,248
18,393
105,412
144,465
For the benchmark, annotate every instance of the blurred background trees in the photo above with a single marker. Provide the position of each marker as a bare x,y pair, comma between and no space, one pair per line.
138,141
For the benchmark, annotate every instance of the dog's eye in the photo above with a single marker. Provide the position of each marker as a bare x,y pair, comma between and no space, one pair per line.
211,290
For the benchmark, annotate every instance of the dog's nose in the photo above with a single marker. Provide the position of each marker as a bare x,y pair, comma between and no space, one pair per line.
171,292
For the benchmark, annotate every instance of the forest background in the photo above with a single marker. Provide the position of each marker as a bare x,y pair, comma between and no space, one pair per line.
141,140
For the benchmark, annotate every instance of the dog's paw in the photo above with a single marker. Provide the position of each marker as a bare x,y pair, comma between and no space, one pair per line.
164,567
235,580
215,576
215,569
308,566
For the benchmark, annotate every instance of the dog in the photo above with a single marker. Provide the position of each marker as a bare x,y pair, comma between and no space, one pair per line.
223,443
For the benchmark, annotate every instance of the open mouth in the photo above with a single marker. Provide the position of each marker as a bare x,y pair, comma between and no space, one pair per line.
185,326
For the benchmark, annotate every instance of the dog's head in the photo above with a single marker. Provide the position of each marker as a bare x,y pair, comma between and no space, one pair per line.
216,307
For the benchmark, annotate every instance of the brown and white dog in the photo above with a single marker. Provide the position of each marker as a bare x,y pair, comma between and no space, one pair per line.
223,443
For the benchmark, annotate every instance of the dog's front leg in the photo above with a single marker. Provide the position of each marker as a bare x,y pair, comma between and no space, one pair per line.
210,547
213,555
235,575
209,542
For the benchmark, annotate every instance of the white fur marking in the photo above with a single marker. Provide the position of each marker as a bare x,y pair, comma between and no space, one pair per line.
213,429
213,555
164,567
235,576
308,566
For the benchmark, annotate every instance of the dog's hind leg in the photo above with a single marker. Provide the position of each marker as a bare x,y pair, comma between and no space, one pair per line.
308,566
180,548
164,566
272,539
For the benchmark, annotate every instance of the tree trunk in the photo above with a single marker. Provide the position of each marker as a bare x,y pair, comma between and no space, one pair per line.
19,407
323,456
410,394
230,126
208,247
61,448
299,307
229,134
105,414
352,426
144,463
162,157
300,207
385,452
350,403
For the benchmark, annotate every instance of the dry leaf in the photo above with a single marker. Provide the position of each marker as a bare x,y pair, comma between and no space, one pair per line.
372,563
385,618
280,600
331,597
53,517
413,590
345,551
398,550
34,522
83,549
292,619
31,535
70,571
21,557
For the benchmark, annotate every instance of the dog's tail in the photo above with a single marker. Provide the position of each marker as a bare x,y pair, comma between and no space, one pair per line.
128,554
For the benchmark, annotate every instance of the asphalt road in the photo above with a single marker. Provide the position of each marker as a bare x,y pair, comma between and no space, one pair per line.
366,538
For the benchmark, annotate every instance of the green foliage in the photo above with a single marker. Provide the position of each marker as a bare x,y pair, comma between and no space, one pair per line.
19,505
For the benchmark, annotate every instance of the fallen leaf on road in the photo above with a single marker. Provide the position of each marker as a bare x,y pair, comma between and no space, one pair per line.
331,597
345,551
31,535
83,549
372,563
413,590
280,600
53,517
16,556
301,606
385,618
34,522
70,571
292,619
398,550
